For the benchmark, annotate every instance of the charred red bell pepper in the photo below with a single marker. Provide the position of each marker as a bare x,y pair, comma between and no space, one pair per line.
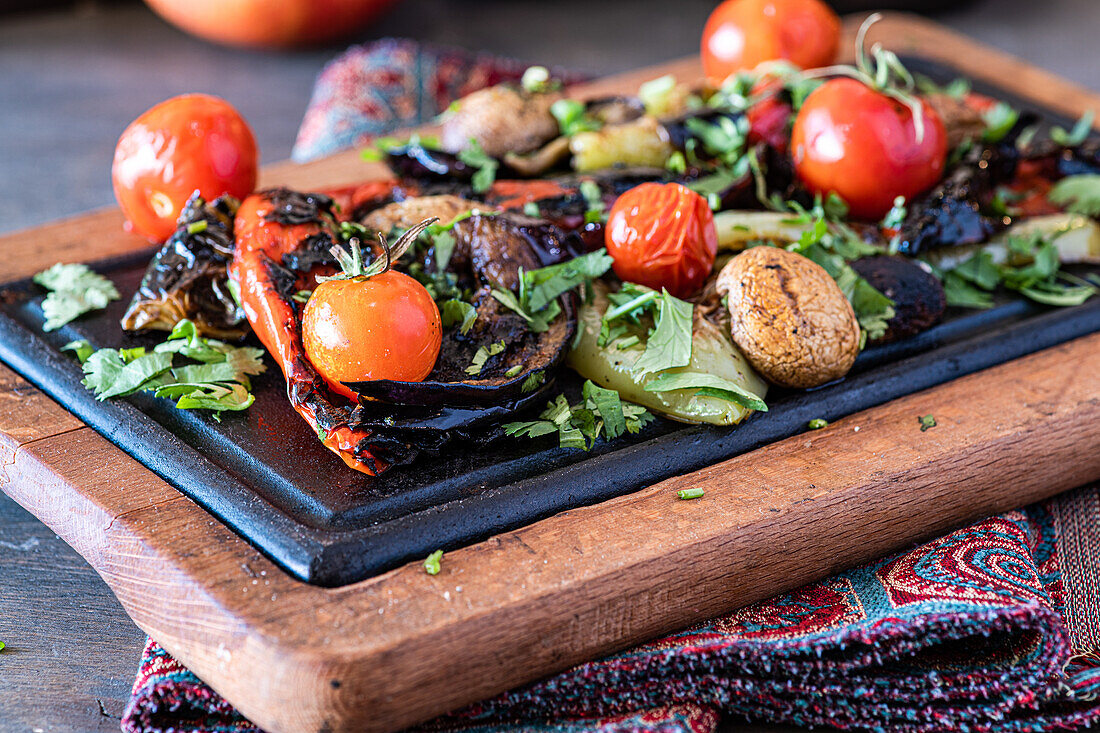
268,226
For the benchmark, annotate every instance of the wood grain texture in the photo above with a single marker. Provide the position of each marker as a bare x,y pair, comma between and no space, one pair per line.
387,652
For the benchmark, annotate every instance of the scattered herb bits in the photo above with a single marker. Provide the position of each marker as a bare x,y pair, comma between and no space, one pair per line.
433,563
74,291
927,422
817,424
690,494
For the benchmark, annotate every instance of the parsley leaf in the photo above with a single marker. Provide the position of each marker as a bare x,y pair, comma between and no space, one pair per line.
1077,135
999,121
669,345
486,165
572,117
608,405
457,311
539,290
482,355
708,385
600,412
74,291
81,348
1078,194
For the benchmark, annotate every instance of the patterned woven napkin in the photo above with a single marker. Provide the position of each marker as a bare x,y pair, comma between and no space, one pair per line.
995,627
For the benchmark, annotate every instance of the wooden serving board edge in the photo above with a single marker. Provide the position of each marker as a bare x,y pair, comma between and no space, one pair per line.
405,646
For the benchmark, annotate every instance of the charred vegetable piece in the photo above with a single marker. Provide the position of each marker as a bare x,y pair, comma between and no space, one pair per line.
188,278
919,299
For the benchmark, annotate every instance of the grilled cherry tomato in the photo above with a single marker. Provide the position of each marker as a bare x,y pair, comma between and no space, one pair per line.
189,142
662,236
743,33
863,145
383,327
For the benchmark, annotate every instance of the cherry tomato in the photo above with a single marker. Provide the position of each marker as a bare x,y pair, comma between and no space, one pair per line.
862,145
662,236
743,33
383,327
189,142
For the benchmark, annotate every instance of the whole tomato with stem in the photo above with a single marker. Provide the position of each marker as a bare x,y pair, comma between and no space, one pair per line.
866,146
189,142
740,34
371,322
662,236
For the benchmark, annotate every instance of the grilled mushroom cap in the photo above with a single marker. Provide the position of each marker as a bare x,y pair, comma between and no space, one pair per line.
502,119
789,317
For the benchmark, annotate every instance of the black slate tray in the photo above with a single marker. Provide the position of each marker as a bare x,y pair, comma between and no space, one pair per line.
265,474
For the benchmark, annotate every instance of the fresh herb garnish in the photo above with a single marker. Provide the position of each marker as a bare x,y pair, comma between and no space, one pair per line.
197,227
220,381
572,118
81,348
302,296
593,198
1077,135
482,355
383,146
689,494
927,422
537,79
433,563
539,290
531,209
74,291
600,412
533,381
706,385
486,165
999,121
455,311
1078,194
957,88
817,423
514,371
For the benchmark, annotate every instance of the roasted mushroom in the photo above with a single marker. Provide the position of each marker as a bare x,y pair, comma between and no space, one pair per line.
502,119
789,317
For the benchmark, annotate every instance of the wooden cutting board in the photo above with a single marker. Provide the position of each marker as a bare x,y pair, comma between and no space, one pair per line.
404,646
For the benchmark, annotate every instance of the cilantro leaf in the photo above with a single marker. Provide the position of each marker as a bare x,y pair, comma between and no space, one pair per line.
81,348
537,301
601,412
108,375
457,311
709,385
486,165
1078,194
74,291
669,345
608,405
961,294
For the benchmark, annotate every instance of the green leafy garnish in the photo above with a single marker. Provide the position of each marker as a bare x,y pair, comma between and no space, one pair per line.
593,197
74,291
218,382
455,311
600,412
433,563
539,290
927,422
1078,194
817,423
482,355
531,209
572,118
383,146
999,121
669,345
533,381
957,88
514,371
1077,135
708,385
689,494
486,165
81,348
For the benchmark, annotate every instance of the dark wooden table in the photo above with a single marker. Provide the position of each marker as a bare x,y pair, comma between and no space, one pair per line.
70,81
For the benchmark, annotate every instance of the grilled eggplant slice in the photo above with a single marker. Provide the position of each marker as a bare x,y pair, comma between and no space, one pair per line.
919,299
187,278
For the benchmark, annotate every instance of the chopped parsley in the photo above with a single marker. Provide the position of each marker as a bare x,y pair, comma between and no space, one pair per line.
482,355
601,412
817,423
706,385
486,166
218,382
433,563
539,290
927,422
669,344
457,312
1077,135
572,117
1078,194
74,291
689,494
533,381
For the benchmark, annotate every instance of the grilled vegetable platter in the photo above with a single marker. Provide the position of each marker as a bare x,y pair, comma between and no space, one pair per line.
529,312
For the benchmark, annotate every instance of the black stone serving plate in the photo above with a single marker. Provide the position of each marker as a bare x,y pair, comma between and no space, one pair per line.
264,473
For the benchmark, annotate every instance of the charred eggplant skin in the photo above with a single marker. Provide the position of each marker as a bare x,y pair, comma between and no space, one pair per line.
918,295
188,276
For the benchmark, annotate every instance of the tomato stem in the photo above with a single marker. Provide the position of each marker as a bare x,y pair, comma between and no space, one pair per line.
351,265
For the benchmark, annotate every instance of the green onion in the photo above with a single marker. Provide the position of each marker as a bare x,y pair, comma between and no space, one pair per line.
196,227
817,423
689,493
432,563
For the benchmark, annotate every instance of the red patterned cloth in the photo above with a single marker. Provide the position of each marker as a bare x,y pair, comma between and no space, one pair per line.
995,627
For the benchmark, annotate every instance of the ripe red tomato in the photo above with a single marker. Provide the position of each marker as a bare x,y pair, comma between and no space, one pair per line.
269,23
862,145
662,236
740,34
383,327
189,142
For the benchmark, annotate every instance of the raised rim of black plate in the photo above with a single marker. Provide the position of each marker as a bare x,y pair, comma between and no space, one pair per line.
330,556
